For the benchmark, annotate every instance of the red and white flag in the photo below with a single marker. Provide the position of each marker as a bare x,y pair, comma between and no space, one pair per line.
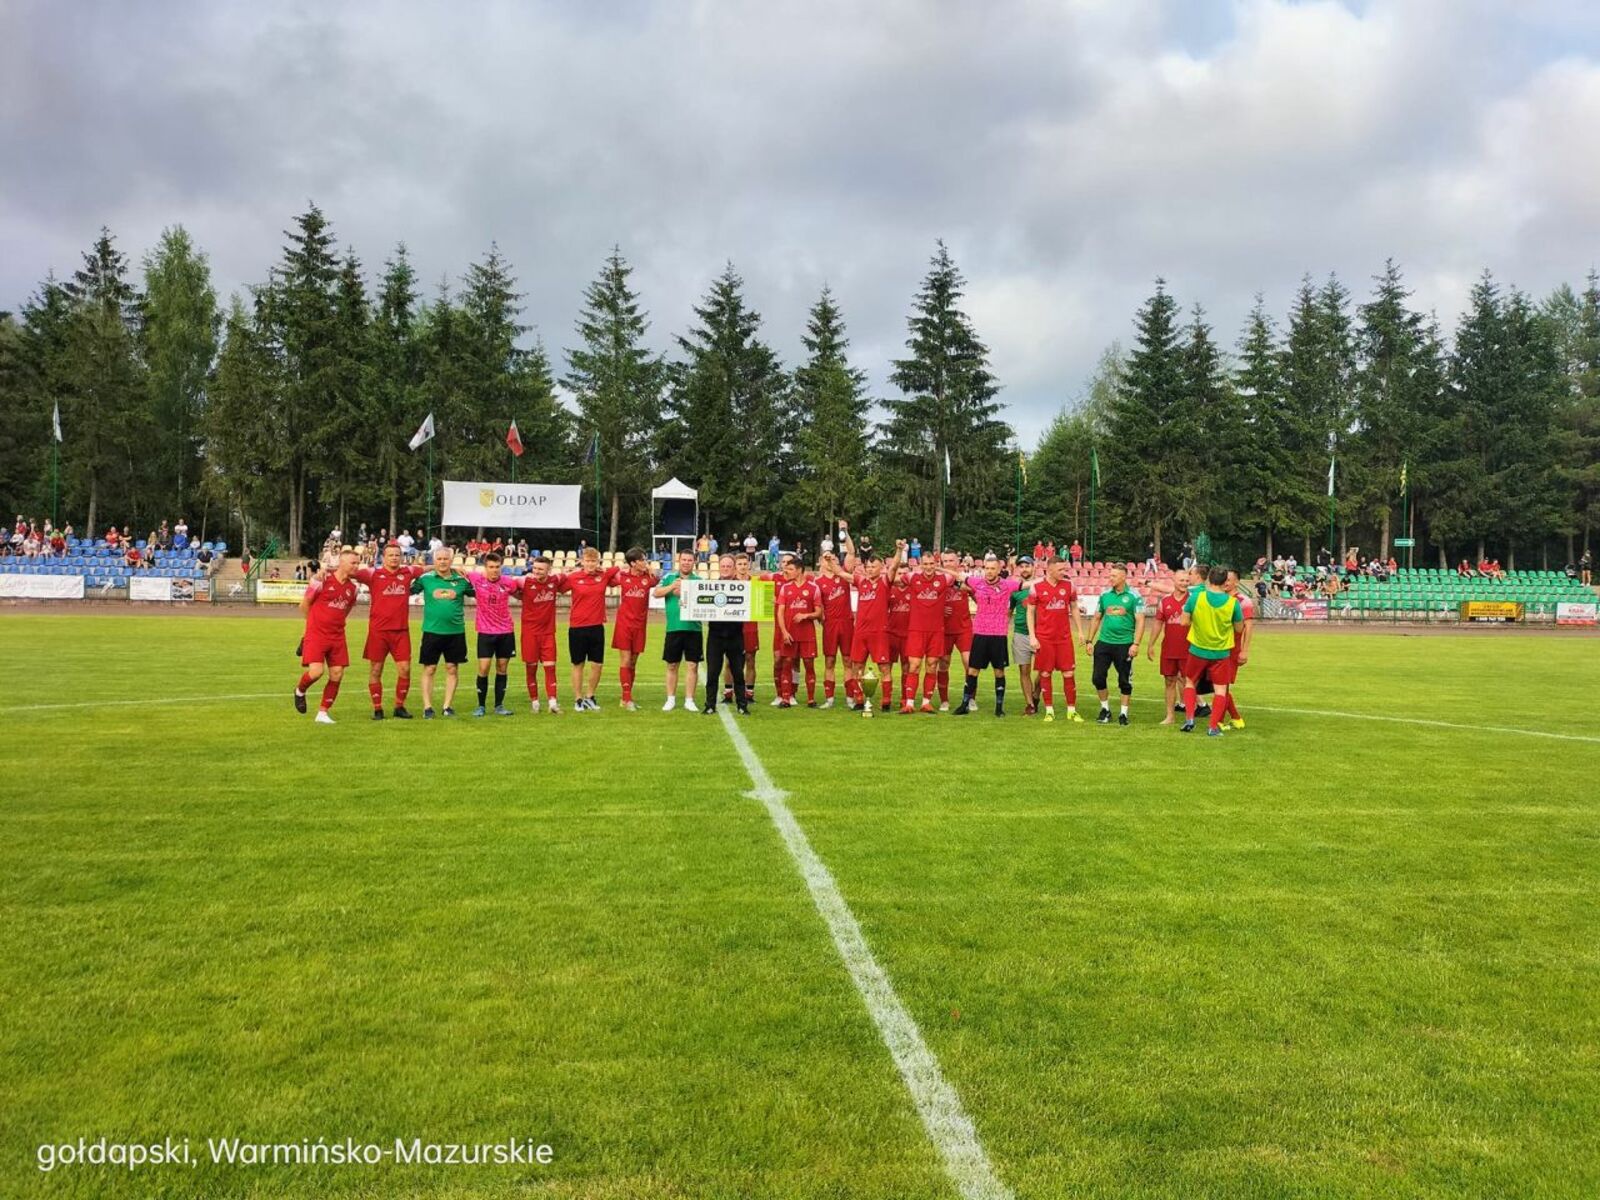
514,440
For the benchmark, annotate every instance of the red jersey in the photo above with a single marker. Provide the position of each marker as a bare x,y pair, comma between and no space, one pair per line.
1054,601
1247,611
331,602
835,594
799,597
928,594
957,610
634,608
588,596
1174,634
390,593
900,605
872,603
539,602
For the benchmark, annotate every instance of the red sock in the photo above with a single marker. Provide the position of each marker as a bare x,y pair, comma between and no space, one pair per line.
1217,709
1233,709
375,690
1188,702
550,681
908,687
1069,690
402,687
811,680
330,693
888,687
305,682
1044,690
827,689
944,683
930,680
531,671
625,674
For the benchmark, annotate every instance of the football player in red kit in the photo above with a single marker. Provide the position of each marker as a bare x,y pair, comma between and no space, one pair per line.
1174,639
1054,627
326,605
957,626
928,588
798,607
389,627
870,638
838,624
538,593
633,616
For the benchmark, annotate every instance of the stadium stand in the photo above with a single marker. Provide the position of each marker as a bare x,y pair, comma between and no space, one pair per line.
1430,593
102,565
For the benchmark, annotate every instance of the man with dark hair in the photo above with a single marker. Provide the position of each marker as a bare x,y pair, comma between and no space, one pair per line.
1214,618
1114,637
798,606
586,626
990,640
1053,622
497,639
635,581
388,628
538,591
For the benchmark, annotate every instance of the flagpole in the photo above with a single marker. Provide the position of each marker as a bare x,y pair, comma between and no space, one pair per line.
597,490
944,480
1018,536
55,485
430,487
1094,482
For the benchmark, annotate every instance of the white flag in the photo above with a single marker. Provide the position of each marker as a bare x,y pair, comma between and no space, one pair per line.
1330,476
55,419
424,434
947,464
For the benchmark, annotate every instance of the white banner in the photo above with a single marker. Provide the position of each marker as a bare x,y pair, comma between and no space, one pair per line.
146,587
1576,612
471,505
41,587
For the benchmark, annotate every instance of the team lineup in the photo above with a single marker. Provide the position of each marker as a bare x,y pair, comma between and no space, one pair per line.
863,615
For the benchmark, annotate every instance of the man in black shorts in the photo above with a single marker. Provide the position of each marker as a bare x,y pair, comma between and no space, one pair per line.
725,644
684,640
444,593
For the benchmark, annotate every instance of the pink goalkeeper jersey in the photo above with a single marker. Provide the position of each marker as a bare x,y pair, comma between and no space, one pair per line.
993,618
494,602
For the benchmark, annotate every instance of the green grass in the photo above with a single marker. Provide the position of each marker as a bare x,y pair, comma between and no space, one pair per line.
1321,957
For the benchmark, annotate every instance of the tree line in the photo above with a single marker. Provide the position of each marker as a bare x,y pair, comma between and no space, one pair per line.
288,411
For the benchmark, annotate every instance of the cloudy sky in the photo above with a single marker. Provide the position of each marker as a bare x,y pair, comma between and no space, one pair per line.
1068,152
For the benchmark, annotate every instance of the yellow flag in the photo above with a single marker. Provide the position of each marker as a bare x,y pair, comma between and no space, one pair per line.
1022,465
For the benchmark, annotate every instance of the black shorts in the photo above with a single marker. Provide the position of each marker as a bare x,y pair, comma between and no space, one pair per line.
989,650
452,647
586,643
683,644
497,645
1109,656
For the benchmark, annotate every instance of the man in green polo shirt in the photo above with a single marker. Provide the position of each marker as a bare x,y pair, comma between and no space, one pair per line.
444,592
1115,634
685,639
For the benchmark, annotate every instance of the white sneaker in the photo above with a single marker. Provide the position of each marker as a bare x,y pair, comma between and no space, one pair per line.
323,718
944,706
689,704
828,703
551,707
672,703
777,702
630,706
535,706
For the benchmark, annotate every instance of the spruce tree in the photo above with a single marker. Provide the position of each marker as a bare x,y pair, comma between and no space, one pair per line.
948,413
397,403
831,446
181,324
1266,480
617,383
241,457
727,423
1388,407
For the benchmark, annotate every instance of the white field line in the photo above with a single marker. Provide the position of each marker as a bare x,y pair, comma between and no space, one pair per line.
1422,721
947,1123
20,708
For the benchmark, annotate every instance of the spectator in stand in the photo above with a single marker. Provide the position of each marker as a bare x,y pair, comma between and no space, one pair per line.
31,544
180,535
1075,552
1261,566
1572,570
1050,549
1464,569
113,538
1586,568
522,547
207,561
750,545
162,538
58,543
1038,551
406,543
1394,564
131,556
277,573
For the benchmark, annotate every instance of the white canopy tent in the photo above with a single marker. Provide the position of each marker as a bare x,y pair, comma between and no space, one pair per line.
679,513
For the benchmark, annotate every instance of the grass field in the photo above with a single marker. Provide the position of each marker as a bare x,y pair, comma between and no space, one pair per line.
1325,956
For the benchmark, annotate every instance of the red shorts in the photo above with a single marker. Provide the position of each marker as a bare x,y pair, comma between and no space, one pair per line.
752,637
797,648
1221,670
388,643
925,643
538,646
866,644
1172,667
959,640
334,653
629,637
838,637
1055,656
